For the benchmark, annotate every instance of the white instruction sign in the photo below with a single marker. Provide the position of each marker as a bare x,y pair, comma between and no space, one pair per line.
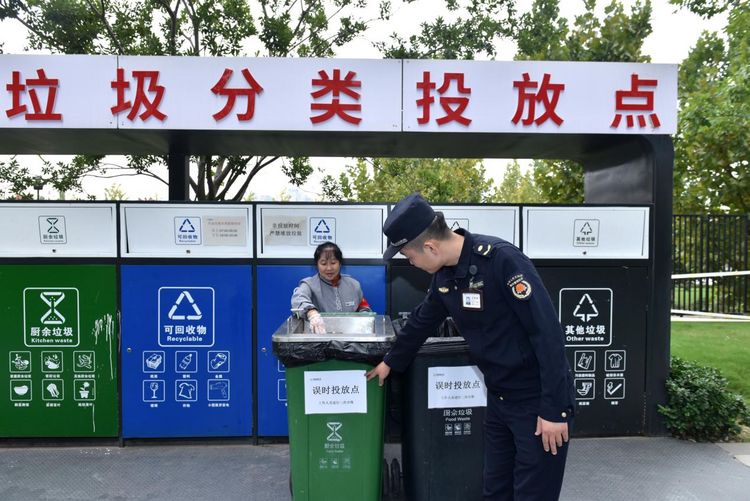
225,230
284,230
455,387
335,392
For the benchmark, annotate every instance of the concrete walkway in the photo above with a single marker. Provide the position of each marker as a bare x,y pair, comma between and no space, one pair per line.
598,469
740,452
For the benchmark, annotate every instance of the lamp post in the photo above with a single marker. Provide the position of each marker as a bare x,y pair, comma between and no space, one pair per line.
38,185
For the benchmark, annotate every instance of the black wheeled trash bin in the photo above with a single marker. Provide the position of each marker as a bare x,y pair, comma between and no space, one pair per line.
443,408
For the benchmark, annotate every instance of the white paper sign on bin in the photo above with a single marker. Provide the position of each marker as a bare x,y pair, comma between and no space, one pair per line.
455,387
335,392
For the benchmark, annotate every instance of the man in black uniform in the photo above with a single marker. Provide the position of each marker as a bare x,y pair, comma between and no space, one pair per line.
502,309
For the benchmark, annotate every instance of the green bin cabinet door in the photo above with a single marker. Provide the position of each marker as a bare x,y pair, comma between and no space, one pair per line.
59,351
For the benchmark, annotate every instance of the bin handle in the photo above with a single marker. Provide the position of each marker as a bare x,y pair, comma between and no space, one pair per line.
289,320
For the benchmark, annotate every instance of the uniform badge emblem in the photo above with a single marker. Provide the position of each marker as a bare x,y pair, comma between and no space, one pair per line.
443,289
519,286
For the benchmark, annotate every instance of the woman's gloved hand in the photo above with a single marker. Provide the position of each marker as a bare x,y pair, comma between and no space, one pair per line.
316,323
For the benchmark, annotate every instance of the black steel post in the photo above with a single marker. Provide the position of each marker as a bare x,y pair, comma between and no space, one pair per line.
179,177
640,170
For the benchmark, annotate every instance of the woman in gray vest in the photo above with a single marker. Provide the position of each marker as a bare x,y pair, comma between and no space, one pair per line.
328,291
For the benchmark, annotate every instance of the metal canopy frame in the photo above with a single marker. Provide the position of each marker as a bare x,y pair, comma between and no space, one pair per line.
618,169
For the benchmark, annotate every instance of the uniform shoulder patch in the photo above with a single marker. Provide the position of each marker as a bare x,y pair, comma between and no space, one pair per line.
519,286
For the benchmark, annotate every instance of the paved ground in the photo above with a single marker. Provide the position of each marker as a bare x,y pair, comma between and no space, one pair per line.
598,469
741,452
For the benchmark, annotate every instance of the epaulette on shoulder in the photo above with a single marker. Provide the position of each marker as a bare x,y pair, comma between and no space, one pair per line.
484,248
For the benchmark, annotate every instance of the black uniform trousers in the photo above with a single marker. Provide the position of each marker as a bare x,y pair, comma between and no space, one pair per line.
516,467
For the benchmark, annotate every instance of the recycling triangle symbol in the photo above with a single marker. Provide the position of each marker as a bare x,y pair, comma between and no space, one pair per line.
187,227
322,227
586,304
197,312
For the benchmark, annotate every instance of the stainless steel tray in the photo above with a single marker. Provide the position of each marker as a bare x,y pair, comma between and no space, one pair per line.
360,328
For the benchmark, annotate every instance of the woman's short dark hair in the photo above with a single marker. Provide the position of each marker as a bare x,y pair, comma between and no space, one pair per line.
328,249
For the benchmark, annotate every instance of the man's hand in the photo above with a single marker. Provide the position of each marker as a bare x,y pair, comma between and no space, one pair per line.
381,371
553,434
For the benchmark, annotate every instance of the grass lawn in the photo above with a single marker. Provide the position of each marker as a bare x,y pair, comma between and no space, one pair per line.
722,345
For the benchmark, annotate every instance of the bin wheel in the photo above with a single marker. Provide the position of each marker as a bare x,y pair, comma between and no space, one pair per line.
384,479
395,476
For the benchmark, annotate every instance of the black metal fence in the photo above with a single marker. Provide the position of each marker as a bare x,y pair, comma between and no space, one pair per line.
710,244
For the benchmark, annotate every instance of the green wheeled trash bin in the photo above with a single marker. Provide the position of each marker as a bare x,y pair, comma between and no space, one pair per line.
336,418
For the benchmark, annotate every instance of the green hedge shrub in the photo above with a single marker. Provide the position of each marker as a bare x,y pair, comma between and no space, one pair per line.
700,407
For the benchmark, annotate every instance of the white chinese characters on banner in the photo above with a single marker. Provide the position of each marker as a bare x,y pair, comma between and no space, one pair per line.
455,387
335,392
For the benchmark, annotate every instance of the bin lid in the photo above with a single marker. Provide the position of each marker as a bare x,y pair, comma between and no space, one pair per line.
186,230
356,327
58,230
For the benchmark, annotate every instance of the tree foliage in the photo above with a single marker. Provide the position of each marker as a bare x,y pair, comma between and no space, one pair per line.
279,28
517,187
707,8
544,35
475,32
439,180
283,196
115,192
283,28
712,146
62,177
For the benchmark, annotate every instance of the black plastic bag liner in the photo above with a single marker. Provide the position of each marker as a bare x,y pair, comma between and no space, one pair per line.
298,354
444,346
447,341
447,329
